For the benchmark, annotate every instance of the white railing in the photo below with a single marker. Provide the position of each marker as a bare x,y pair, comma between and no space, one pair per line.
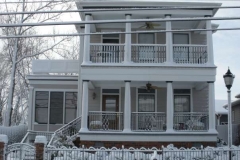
69,130
190,54
31,135
106,53
190,121
148,53
105,121
148,121
165,153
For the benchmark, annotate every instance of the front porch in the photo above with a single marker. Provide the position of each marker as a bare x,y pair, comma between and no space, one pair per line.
178,107
147,121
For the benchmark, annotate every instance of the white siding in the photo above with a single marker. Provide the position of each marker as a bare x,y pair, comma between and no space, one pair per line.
236,115
161,38
94,104
95,39
133,99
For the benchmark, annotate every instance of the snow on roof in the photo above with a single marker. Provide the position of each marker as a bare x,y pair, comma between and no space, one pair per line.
219,106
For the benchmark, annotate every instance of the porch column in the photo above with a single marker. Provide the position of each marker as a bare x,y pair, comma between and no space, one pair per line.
127,107
170,110
30,107
80,60
169,41
86,54
211,107
84,120
209,43
127,54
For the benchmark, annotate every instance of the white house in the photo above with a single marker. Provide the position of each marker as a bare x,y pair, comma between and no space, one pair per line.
140,88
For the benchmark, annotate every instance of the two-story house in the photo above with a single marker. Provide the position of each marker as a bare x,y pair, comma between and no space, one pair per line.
133,89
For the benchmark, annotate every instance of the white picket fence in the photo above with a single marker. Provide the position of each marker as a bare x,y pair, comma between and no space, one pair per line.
168,153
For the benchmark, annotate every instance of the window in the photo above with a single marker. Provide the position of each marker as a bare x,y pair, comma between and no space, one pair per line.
182,100
56,108
54,102
146,100
110,38
70,106
41,111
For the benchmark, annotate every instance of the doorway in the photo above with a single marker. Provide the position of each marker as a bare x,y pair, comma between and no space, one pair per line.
110,105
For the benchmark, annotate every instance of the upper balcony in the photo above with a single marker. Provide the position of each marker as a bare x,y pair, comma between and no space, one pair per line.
154,48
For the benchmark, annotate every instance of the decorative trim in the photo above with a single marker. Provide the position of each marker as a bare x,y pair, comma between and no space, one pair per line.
208,16
88,14
169,81
85,80
128,14
127,81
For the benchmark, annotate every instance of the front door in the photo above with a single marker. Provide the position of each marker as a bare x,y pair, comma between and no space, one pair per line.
110,105
181,53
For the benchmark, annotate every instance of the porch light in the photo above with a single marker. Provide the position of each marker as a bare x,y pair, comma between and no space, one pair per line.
228,79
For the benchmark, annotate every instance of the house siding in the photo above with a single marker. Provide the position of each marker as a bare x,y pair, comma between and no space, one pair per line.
94,104
161,100
161,38
200,100
198,38
95,39
236,116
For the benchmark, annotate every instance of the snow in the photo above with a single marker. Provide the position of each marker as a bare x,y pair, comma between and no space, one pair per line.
41,139
3,138
15,133
219,106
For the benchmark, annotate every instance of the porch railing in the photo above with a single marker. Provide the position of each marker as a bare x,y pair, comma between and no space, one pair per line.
31,135
148,53
148,121
105,121
191,121
190,54
106,53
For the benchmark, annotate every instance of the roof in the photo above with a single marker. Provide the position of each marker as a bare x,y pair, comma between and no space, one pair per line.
219,107
237,96
234,103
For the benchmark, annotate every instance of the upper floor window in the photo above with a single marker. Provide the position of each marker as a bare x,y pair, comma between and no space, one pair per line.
180,38
110,38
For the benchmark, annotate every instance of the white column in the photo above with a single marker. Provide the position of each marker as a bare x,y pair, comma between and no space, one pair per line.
86,55
127,107
170,110
211,107
127,54
84,120
30,107
80,60
169,41
209,43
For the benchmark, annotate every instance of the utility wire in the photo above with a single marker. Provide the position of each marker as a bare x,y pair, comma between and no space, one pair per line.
123,9
101,33
118,21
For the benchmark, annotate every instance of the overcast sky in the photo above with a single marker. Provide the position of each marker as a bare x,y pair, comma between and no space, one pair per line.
226,47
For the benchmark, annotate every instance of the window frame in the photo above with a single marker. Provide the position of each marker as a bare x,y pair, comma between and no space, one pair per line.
137,99
49,91
183,94
35,100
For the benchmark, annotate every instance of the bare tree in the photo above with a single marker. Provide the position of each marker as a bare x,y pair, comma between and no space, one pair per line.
20,51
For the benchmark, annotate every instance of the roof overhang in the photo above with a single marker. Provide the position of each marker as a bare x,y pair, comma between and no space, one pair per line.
234,103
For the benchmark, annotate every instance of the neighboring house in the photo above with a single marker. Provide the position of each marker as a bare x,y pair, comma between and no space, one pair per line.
142,89
235,110
221,113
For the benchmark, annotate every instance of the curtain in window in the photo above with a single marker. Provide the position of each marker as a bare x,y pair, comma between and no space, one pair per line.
70,106
146,103
41,107
182,103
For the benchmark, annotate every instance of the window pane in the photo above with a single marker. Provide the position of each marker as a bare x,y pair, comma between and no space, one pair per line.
56,107
182,103
41,105
146,103
70,106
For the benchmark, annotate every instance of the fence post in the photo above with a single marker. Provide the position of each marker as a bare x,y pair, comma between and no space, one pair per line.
162,151
40,144
122,151
3,144
201,151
